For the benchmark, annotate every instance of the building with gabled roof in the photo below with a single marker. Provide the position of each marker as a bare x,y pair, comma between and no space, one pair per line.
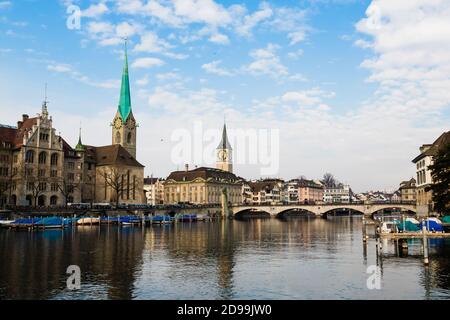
38,167
423,174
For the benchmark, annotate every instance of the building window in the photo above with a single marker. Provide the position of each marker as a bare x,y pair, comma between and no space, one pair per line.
4,172
71,176
54,173
54,159
129,137
53,200
42,157
54,187
118,137
71,165
43,186
29,156
41,173
4,158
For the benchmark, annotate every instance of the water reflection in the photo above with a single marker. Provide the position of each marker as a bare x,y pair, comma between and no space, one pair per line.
249,259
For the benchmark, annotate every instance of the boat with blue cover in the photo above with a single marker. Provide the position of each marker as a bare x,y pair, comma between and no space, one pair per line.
129,220
432,224
50,223
110,220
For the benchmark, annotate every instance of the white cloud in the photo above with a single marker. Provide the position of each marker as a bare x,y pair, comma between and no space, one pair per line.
74,74
146,63
411,41
95,10
151,43
251,20
295,54
266,62
213,67
5,4
219,38
143,81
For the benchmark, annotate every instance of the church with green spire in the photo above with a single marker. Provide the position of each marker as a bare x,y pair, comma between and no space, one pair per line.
124,125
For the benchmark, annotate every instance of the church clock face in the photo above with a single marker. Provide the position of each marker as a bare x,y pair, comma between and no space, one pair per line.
117,123
223,155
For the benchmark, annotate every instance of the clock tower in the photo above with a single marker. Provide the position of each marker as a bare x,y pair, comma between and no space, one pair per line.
224,153
124,127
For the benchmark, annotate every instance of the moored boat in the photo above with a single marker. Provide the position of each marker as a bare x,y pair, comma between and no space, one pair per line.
408,225
130,220
388,227
5,223
446,223
432,224
88,221
50,223
24,223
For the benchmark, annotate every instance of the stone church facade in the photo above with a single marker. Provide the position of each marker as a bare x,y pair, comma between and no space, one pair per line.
39,168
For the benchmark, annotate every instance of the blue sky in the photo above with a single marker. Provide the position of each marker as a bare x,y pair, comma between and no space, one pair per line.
353,86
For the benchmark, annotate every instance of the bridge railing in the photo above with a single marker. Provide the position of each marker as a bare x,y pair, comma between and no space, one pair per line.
321,203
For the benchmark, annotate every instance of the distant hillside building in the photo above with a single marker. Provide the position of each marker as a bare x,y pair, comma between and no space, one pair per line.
423,174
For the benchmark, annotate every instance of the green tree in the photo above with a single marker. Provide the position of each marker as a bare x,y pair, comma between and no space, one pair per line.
440,172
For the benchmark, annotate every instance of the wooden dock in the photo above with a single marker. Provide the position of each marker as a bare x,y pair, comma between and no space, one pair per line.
414,235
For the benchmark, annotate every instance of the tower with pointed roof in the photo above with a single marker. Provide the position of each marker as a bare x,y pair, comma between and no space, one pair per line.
224,153
124,127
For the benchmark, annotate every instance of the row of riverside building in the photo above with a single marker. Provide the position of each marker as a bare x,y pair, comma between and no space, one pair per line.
39,168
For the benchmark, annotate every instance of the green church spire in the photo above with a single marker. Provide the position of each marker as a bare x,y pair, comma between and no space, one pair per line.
79,146
125,97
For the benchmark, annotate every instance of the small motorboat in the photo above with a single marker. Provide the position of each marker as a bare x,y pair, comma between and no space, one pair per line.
5,223
389,227
88,221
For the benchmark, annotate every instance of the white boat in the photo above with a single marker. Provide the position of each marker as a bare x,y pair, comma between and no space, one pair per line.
388,227
5,223
88,221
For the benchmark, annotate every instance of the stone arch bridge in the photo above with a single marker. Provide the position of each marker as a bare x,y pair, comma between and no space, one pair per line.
321,209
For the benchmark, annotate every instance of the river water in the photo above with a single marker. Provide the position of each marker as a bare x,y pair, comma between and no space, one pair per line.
253,259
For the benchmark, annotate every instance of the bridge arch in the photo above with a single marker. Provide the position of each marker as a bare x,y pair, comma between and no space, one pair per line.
350,209
296,212
252,213
405,210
